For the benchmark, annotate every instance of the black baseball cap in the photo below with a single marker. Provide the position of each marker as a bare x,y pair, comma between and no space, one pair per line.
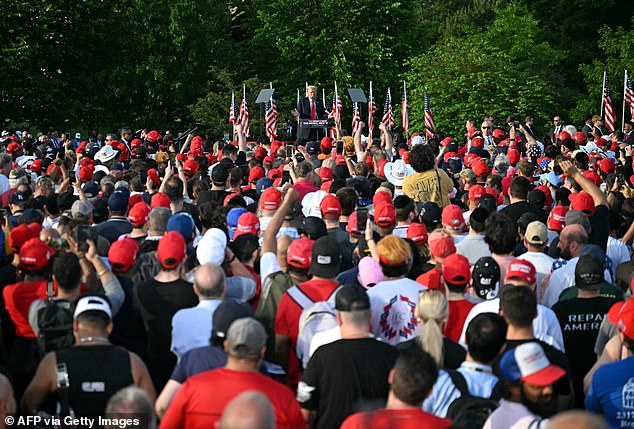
326,258
486,278
352,297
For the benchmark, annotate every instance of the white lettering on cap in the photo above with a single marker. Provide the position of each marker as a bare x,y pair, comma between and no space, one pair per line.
324,260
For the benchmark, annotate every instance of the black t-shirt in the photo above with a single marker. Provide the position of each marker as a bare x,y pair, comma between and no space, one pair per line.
600,226
516,210
453,353
580,319
128,330
345,377
158,302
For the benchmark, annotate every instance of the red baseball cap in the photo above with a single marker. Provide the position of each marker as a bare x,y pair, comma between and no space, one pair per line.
580,137
557,218
455,269
171,250
268,160
139,214
260,153
522,269
475,193
153,175
452,216
594,177
34,254
190,167
498,133
122,254
480,167
325,174
385,214
417,233
607,166
326,144
441,244
230,197
300,252
547,193
86,173
563,135
353,223
256,173
622,315
248,223
330,205
22,233
514,156
160,200
582,201
136,198
271,199
274,173
477,141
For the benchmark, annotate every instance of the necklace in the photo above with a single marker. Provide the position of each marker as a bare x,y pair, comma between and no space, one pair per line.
476,368
94,339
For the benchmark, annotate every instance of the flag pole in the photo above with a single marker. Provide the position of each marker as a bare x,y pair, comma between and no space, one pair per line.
233,108
603,93
370,120
624,89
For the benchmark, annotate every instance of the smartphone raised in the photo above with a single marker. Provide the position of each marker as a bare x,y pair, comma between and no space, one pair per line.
362,219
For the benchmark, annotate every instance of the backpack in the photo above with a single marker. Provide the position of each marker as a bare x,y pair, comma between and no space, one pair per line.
316,317
55,324
469,411
273,289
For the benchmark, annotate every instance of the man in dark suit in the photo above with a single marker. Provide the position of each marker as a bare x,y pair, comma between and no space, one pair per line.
310,108
557,128
628,128
528,126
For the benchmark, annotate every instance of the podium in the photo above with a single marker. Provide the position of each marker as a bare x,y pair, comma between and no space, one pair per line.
316,123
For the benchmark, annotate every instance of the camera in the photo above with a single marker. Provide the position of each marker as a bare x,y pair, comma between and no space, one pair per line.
516,124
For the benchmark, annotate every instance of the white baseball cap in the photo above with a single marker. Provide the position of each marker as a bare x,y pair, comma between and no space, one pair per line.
528,362
92,303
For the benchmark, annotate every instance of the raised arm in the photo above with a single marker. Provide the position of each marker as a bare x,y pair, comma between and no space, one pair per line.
586,184
269,242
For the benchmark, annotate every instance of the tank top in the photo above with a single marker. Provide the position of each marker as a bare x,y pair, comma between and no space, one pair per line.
95,373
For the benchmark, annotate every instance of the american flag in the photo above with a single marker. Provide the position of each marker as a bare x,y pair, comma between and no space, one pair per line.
244,113
233,109
430,128
356,119
606,103
371,113
628,97
405,110
271,119
337,106
388,115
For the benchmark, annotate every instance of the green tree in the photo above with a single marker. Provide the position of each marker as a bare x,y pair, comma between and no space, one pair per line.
499,71
617,46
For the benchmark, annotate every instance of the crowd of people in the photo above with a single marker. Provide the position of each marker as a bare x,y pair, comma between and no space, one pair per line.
381,281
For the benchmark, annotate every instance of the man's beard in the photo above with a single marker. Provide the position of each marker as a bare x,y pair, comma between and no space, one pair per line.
542,409
566,254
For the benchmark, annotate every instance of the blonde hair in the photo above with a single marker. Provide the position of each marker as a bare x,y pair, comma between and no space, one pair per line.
432,311
394,250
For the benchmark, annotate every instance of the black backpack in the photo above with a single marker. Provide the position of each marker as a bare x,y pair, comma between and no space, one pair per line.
55,324
468,411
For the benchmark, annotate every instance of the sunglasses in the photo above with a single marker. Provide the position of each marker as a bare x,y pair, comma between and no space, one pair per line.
486,128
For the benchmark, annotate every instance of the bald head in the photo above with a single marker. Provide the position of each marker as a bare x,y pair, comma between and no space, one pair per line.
209,281
575,233
249,410
577,420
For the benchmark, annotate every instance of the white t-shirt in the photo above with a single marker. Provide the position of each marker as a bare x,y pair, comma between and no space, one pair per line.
545,325
513,415
393,303
543,264
473,247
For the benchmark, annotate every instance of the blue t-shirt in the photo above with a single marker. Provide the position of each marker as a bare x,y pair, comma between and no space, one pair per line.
612,393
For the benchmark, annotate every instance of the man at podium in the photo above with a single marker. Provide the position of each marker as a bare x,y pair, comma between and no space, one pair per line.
310,108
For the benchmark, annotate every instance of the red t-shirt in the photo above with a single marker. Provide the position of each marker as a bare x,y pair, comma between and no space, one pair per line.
287,318
388,419
199,402
458,312
18,299
304,187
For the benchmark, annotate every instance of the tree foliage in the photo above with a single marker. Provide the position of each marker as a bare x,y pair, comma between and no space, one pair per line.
149,63
617,46
500,71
